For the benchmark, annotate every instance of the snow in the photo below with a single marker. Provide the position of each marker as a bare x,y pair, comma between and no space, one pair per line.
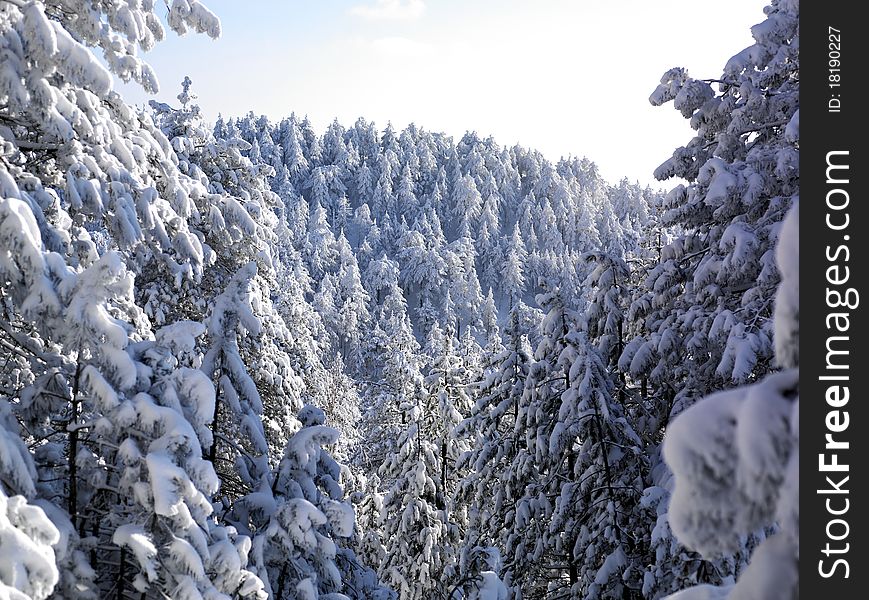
187,557
190,13
234,213
251,586
169,485
772,573
39,32
311,415
490,588
764,423
692,95
129,452
730,455
101,388
612,566
792,131
135,539
26,557
305,445
305,590
79,64
341,517
16,464
186,590
199,392
19,231
180,336
699,449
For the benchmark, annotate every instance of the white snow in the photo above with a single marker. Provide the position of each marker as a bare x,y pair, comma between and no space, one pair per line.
135,539
27,561
169,484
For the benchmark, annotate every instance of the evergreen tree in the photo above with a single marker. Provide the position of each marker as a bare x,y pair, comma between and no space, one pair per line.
539,463
513,273
738,467
238,448
296,549
396,369
415,528
710,300
27,536
467,203
495,438
351,303
446,404
596,514
320,248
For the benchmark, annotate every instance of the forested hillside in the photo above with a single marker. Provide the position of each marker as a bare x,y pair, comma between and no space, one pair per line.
250,359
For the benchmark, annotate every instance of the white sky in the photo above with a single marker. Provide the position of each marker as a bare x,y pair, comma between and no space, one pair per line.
567,77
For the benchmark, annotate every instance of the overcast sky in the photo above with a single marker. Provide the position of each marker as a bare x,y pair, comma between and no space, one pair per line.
567,77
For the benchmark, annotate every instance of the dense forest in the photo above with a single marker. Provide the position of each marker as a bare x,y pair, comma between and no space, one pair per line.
251,360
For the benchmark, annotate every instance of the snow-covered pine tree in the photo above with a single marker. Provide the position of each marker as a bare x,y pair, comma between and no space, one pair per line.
514,269
66,129
492,344
446,404
319,247
351,303
709,305
735,460
342,402
239,450
292,154
631,205
415,527
480,578
467,204
423,266
464,286
598,520
383,196
92,194
137,482
295,548
368,507
405,196
488,491
707,314
533,565
394,367
161,516
488,249
604,319
735,454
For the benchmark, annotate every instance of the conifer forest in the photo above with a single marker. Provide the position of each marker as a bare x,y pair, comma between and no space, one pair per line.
249,359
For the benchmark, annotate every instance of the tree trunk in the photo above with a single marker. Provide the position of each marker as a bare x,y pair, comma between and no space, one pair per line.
282,578
444,469
72,500
212,452
122,573
620,346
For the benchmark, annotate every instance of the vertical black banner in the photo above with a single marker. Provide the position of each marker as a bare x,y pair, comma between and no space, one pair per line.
834,436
